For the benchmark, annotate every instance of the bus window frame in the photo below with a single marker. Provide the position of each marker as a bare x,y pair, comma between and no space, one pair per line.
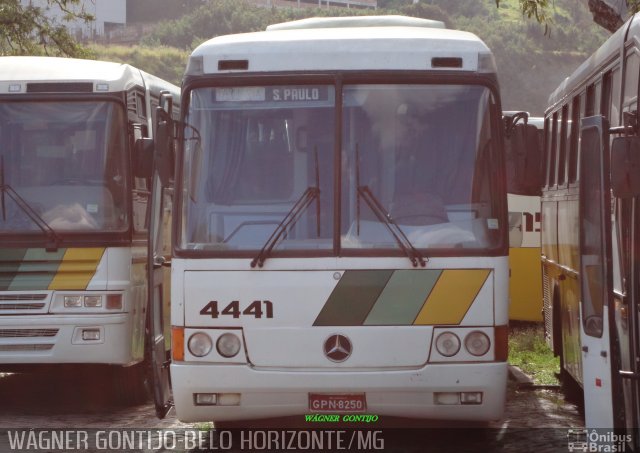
85,238
561,166
573,157
338,79
629,98
550,171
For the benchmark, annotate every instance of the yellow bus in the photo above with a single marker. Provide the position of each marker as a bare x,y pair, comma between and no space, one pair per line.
525,272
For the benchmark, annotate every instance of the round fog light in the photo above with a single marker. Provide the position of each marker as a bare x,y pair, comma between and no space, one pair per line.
448,344
200,344
477,343
228,345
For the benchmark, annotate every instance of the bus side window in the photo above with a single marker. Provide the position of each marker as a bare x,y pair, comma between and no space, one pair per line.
551,155
605,102
614,111
590,103
564,142
573,142
632,66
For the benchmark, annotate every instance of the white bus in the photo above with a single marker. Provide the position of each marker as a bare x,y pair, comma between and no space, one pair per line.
590,231
74,220
341,216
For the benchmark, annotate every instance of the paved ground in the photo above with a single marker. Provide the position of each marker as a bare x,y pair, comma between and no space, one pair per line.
535,420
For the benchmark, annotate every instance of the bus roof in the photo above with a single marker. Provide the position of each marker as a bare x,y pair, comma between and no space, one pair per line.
342,46
17,73
357,21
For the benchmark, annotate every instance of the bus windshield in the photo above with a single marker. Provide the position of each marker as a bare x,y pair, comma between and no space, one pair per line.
421,153
425,152
66,161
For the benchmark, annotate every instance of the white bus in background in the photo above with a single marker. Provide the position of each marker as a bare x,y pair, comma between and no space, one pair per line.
75,217
341,240
591,231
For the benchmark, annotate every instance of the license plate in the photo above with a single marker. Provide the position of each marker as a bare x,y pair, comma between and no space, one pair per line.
352,402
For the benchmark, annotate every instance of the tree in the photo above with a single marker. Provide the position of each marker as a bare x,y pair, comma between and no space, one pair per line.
609,14
29,30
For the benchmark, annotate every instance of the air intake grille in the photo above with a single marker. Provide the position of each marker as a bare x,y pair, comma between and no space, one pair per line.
13,297
21,306
25,347
27,333
134,103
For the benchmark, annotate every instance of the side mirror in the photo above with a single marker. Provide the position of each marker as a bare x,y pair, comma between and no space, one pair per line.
143,158
625,167
524,161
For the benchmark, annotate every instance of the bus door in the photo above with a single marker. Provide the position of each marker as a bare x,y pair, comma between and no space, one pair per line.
595,273
626,338
158,335
626,341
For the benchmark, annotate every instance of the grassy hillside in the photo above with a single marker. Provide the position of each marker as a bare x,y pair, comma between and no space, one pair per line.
162,61
530,64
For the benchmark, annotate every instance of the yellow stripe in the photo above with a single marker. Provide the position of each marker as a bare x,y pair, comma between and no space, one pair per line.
452,296
77,268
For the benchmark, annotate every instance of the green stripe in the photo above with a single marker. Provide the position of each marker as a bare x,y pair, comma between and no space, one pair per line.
403,297
10,260
352,299
37,270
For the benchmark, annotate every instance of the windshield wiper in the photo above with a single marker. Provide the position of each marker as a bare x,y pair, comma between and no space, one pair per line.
401,238
53,240
312,193
385,217
287,222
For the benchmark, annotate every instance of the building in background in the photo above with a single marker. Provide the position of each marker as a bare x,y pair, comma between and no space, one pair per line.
109,15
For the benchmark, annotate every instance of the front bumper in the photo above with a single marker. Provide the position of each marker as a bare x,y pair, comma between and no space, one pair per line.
266,393
49,339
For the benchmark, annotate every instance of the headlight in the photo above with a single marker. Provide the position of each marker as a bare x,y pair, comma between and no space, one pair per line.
448,344
93,301
200,344
72,301
477,343
228,345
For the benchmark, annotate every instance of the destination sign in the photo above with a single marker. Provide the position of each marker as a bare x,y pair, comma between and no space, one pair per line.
288,94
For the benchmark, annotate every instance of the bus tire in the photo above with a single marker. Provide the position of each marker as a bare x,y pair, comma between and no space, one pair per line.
570,387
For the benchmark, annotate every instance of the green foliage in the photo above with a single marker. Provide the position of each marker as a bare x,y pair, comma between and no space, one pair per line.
165,62
218,17
393,4
26,30
157,10
464,8
530,64
222,17
425,11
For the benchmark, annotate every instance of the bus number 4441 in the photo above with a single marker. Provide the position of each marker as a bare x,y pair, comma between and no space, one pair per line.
257,309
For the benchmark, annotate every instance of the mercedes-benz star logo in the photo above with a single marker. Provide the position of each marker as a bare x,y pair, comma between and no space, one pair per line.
337,348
